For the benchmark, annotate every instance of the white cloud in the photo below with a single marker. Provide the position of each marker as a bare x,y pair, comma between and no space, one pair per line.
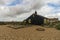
49,12
13,11
25,9
45,11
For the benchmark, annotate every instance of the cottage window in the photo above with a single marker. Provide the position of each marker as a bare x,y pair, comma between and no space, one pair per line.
29,20
48,21
45,21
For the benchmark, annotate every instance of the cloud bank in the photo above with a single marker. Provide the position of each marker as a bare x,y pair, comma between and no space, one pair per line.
18,10
10,9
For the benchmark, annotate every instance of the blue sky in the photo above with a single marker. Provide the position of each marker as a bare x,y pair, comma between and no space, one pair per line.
15,2
55,6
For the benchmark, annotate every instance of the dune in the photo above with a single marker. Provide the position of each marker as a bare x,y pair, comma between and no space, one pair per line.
28,33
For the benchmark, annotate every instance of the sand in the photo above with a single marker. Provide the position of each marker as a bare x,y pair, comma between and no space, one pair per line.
28,33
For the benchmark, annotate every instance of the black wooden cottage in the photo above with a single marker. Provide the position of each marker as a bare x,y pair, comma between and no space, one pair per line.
35,19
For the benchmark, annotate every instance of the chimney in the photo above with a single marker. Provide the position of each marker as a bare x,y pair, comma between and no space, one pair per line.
35,12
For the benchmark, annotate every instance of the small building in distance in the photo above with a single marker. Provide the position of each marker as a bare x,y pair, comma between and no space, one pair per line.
53,20
39,20
35,19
